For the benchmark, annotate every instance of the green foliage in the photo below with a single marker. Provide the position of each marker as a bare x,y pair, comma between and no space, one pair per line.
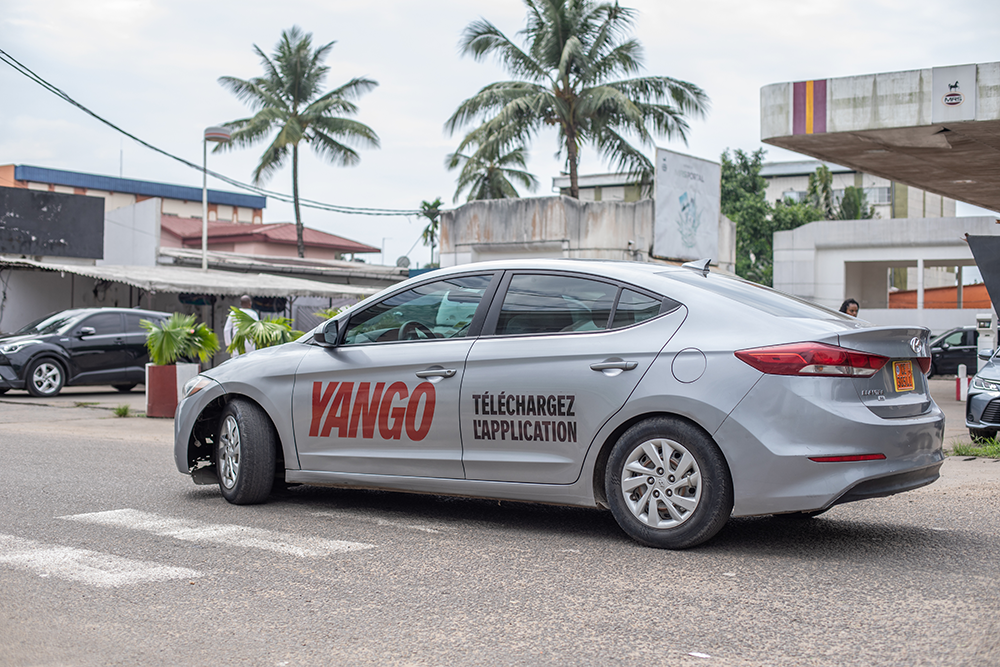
329,313
123,410
487,173
744,202
261,333
178,337
820,192
987,448
288,98
854,205
566,75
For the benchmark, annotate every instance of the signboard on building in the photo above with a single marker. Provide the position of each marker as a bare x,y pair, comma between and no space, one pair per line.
954,92
52,224
686,225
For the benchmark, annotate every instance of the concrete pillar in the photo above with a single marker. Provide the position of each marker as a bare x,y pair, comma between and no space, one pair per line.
958,277
920,284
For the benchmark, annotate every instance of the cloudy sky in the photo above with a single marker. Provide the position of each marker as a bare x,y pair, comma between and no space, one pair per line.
151,67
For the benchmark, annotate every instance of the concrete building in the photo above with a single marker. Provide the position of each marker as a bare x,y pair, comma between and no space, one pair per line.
890,199
603,187
559,227
936,129
118,193
829,260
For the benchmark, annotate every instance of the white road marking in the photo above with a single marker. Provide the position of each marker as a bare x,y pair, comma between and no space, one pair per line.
218,533
88,567
384,522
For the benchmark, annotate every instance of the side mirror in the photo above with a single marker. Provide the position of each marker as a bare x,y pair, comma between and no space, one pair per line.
86,331
945,346
985,356
327,336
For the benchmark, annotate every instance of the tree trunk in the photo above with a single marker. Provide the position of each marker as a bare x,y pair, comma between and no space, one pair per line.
571,156
295,199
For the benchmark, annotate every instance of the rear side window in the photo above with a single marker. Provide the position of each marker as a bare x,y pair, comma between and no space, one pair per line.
634,307
536,304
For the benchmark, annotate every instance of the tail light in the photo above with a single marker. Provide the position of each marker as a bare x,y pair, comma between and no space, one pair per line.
925,364
812,359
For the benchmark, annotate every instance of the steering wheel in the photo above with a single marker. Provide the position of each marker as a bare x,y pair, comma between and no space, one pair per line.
410,330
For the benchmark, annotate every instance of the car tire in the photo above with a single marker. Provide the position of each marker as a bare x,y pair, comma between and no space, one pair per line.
675,468
245,453
981,436
4,390
45,377
124,388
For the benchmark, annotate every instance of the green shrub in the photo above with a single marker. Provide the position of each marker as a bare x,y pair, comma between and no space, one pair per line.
262,333
178,337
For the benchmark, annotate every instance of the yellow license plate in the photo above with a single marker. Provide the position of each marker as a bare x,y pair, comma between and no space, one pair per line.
902,375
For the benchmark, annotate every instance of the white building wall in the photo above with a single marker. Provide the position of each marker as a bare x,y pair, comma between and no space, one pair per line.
132,234
831,260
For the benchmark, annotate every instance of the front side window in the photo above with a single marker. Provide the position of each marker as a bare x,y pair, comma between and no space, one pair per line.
442,309
104,323
543,304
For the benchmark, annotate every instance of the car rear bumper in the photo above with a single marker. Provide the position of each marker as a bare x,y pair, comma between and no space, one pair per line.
769,451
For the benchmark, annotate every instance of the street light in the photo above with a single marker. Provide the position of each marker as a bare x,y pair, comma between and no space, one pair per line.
218,135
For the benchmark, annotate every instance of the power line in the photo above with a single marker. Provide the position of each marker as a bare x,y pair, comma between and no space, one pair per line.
308,203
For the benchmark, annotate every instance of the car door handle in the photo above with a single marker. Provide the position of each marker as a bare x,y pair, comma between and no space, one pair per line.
614,365
437,373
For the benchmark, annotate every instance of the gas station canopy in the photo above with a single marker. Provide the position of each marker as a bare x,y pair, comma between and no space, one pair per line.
936,129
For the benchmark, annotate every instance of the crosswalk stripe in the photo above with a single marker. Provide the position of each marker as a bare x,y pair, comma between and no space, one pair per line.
226,534
84,566
384,522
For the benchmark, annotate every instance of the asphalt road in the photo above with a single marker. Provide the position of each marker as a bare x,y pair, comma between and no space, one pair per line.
108,556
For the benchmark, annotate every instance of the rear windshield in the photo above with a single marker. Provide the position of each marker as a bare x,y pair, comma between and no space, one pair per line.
759,297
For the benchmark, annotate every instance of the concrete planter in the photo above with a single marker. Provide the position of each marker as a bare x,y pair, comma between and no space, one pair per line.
164,387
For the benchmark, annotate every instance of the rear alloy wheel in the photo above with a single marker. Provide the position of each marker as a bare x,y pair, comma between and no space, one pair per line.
668,484
45,378
245,456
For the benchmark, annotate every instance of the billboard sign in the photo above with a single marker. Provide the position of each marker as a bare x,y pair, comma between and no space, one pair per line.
688,207
954,91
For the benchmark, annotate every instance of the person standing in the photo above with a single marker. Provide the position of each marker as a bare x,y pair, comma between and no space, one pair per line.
229,330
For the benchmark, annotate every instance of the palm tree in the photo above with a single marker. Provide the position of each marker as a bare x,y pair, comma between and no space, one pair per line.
563,77
820,192
432,211
288,98
487,172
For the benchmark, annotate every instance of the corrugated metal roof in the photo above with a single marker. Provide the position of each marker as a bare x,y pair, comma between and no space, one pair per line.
146,188
189,230
175,280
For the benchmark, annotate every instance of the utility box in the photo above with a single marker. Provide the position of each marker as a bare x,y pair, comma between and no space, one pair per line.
986,328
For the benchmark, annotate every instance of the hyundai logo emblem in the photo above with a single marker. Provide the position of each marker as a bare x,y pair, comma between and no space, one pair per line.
916,345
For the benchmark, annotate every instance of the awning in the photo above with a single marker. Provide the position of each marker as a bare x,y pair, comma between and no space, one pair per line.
176,280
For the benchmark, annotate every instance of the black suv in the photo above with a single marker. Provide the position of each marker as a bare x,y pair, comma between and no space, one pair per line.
77,347
954,347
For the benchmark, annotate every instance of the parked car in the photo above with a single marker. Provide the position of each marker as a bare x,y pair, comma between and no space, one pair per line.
953,347
982,406
81,346
673,396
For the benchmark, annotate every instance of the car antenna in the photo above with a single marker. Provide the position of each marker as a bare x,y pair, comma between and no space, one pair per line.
698,265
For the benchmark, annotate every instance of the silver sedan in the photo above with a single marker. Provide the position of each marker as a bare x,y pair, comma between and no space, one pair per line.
672,396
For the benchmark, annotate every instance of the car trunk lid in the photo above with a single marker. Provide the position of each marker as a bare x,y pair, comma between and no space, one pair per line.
899,389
